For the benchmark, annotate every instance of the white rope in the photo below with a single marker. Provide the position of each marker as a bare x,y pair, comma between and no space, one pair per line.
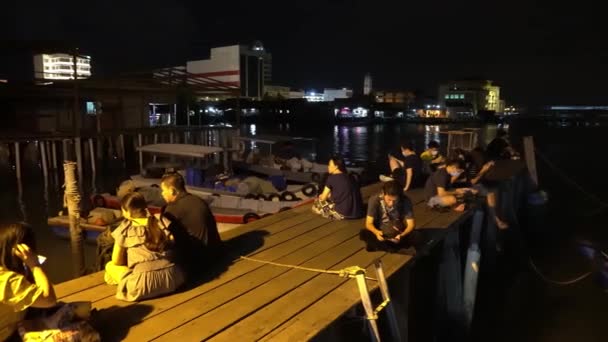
558,282
348,272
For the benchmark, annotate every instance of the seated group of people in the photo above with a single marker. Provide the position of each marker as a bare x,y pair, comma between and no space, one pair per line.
451,183
152,255
390,220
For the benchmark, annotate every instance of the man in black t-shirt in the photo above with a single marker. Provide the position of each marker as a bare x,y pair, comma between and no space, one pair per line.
407,171
437,188
390,221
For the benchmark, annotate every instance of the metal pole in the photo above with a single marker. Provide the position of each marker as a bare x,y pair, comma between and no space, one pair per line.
390,308
156,142
367,305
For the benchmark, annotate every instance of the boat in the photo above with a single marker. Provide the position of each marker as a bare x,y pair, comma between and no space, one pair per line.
227,204
228,210
98,221
266,165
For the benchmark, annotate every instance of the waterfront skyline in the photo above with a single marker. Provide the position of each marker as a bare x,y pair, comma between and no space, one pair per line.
538,54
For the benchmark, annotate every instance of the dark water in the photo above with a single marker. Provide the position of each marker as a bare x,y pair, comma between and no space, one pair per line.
532,310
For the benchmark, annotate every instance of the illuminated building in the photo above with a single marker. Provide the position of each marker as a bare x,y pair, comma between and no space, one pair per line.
60,66
469,98
393,96
249,67
330,94
367,84
276,91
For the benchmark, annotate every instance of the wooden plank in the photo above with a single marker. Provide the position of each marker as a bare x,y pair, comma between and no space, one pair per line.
309,322
270,226
233,273
318,254
271,316
79,284
102,291
223,316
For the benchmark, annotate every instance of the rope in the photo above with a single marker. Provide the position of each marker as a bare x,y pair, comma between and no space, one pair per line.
558,282
348,272
572,182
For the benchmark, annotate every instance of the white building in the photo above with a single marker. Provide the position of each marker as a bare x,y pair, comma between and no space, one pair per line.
329,94
367,84
247,67
60,66
314,97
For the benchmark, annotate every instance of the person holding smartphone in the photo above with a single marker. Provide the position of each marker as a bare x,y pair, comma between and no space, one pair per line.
389,224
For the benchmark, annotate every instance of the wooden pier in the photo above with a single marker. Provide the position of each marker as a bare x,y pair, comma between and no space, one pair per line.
244,300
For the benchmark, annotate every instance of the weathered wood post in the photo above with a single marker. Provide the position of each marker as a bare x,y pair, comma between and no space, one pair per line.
471,269
141,154
72,199
18,161
79,158
530,158
43,159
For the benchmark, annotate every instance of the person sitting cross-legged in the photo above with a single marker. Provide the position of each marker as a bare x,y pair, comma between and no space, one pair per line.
389,225
341,196
437,189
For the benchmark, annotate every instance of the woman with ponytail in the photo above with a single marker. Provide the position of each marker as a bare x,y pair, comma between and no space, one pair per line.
142,265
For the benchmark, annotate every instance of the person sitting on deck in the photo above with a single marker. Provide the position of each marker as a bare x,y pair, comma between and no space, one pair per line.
192,225
142,262
436,189
23,285
389,224
431,157
408,171
341,196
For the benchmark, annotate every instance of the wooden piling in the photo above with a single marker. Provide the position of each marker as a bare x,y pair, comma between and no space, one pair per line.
18,161
54,153
43,159
141,154
79,159
93,158
72,196
530,158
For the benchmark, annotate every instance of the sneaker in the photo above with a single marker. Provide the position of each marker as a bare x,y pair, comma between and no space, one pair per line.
385,179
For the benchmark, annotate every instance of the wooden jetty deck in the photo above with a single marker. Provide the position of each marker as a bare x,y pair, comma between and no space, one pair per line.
243,300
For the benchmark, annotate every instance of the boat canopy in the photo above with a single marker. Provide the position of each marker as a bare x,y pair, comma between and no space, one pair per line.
273,139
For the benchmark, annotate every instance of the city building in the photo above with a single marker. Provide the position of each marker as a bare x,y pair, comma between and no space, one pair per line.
249,67
330,94
296,94
470,97
404,97
60,66
312,96
367,84
276,92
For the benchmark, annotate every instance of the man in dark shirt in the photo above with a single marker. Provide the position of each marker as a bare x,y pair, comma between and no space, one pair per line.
390,221
192,224
436,189
407,171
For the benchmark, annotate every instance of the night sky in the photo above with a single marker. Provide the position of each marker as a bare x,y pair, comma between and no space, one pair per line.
541,53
